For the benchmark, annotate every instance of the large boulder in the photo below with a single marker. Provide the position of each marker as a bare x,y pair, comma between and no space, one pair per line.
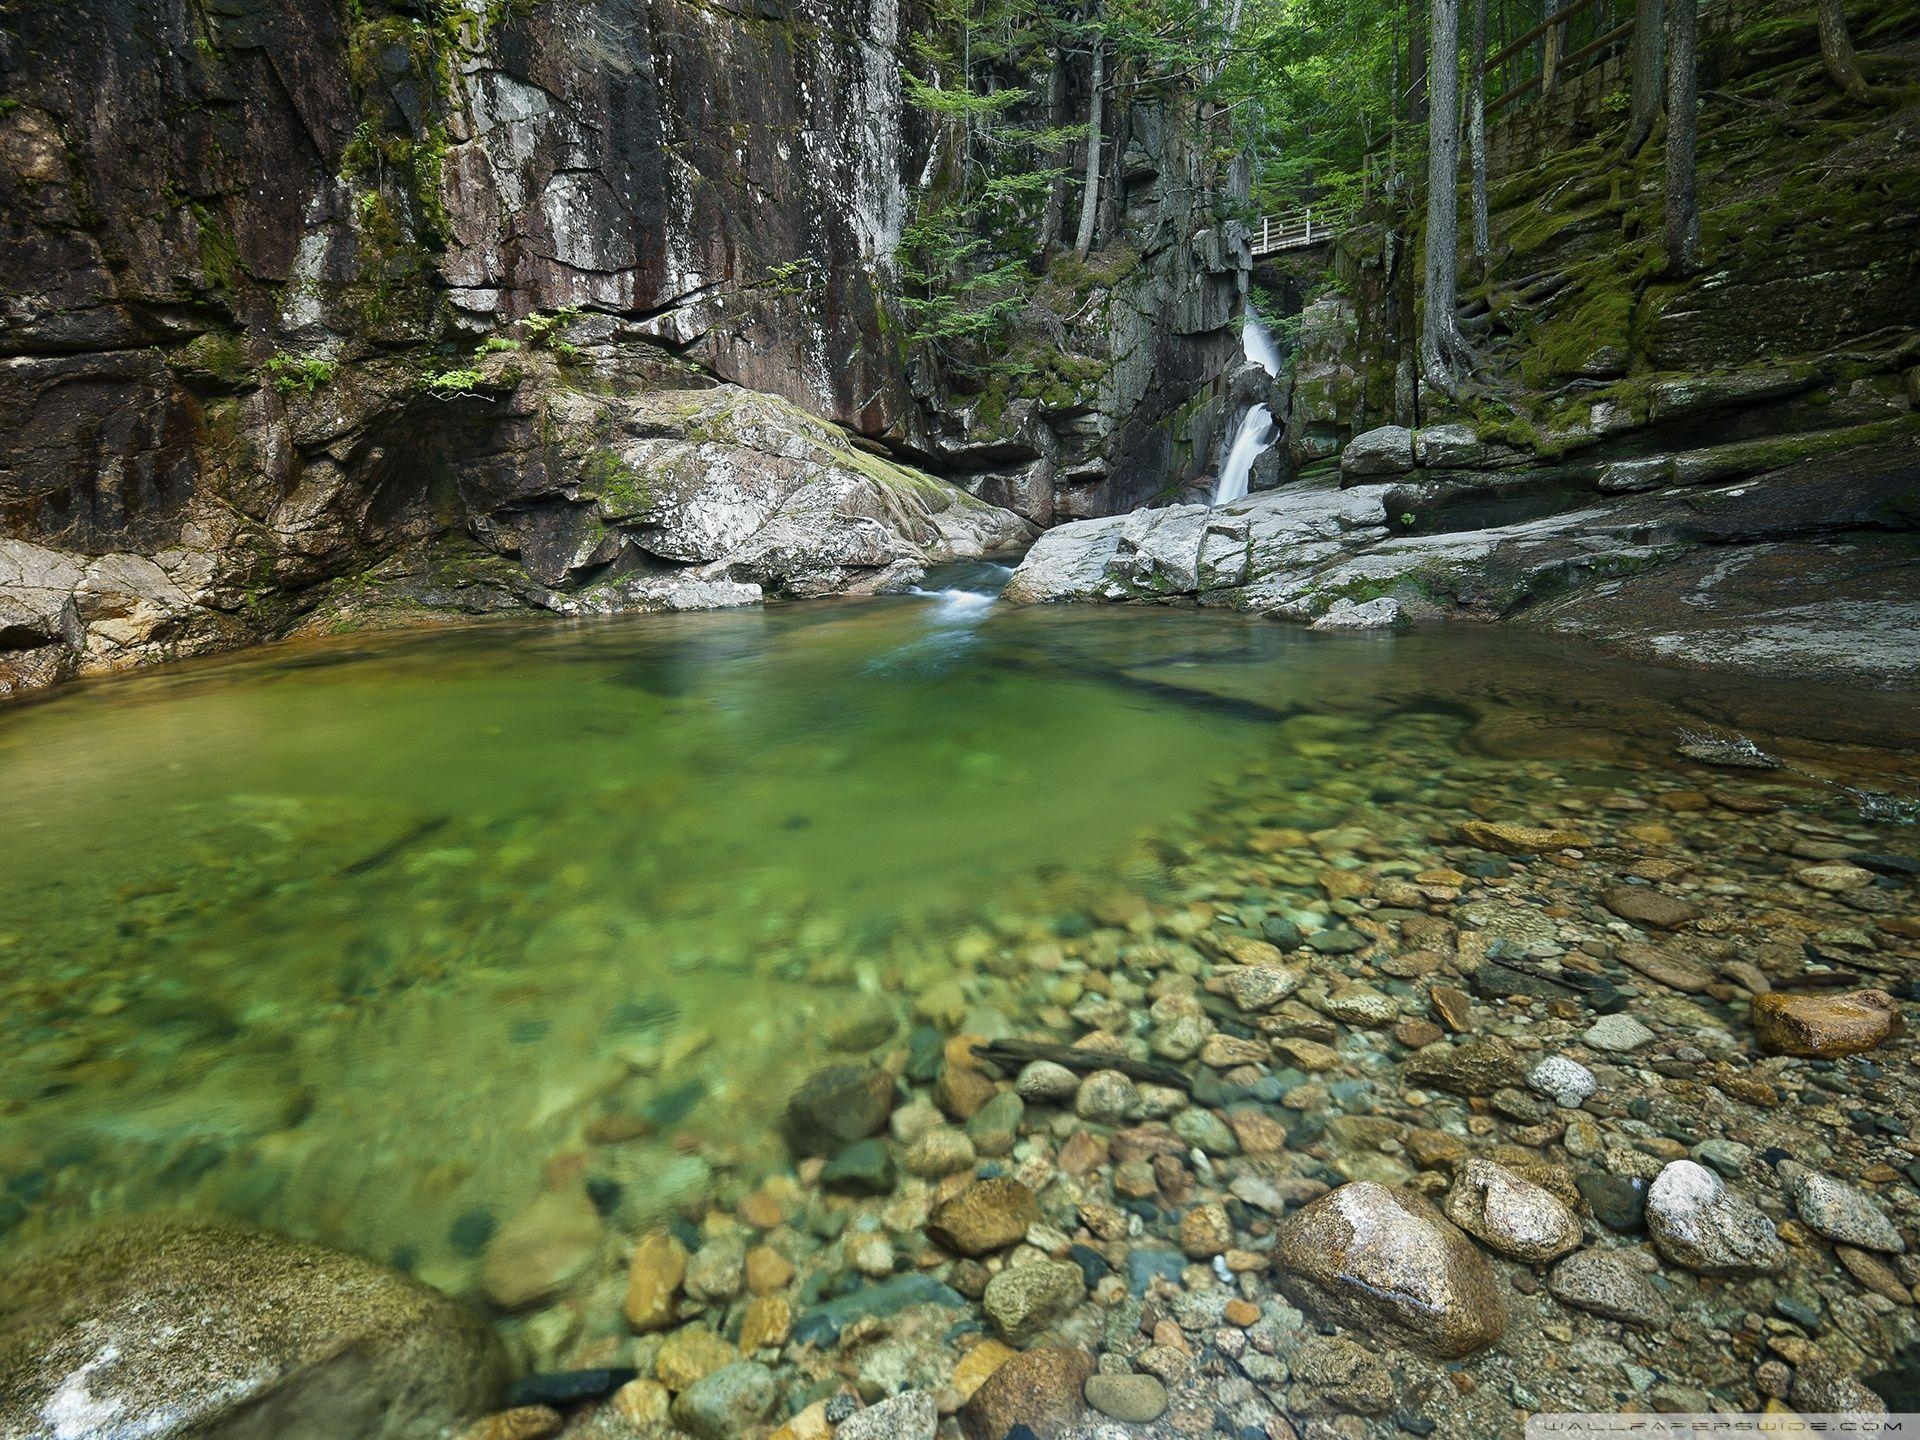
167,1330
1387,450
1697,1221
1825,1026
1382,1259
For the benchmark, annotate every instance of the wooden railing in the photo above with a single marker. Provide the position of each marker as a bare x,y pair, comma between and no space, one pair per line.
1297,230
1550,34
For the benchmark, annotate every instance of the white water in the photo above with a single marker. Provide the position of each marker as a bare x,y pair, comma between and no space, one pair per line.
1255,434
1256,426
1259,346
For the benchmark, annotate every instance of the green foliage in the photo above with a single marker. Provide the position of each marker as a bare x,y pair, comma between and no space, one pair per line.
546,330
447,384
298,374
495,344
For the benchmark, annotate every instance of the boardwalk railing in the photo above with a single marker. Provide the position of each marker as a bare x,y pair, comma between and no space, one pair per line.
1272,234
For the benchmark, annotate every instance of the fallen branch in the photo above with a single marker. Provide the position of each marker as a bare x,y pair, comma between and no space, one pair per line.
1016,1053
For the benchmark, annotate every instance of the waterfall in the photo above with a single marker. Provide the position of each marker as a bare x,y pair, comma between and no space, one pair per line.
1256,426
1259,346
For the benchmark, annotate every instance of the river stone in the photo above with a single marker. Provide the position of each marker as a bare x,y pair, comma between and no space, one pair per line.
836,1107
1135,1399
1512,1216
1260,987
169,1329
995,1128
1041,1389
1467,1067
985,1217
689,1355
940,1152
1617,1034
1834,879
653,1281
1605,1285
541,1250
910,1415
863,1169
1518,839
1566,1082
1644,905
1107,1097
1046,1083
1698,1222
1839,1211
1824,1026
1670,970
1023,1300
723,1405
1366,1255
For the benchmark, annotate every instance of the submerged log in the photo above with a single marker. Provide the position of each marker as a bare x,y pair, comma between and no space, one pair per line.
1016,1053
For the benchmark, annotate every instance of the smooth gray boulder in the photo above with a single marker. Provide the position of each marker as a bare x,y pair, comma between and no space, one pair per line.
168,1330
1385,451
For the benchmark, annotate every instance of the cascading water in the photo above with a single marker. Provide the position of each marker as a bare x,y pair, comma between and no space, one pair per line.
1256,426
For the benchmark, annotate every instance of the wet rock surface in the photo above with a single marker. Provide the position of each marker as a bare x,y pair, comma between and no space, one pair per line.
1370,1255
175,1329
1785,603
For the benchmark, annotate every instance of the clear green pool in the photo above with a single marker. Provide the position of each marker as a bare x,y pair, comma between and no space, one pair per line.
351,937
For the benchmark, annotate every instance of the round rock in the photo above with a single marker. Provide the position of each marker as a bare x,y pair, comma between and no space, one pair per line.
1024,1300
911,1415
1824,1026
1567,1083
1135,1399
1366,1255
1041,1389
1838,1211
1698,1222
1046,1083
985,1217
213,1330
1512,1216
1605,1285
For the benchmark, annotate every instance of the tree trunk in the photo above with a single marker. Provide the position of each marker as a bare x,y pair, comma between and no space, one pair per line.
1683,96
1649,82
1836,52
1553,45
1443,351
1056,205
1477,127
1090,192
1417,65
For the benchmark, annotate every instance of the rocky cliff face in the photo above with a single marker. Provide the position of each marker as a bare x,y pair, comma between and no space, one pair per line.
1722,467
266,261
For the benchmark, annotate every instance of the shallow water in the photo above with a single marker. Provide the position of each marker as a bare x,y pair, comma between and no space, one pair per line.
349,937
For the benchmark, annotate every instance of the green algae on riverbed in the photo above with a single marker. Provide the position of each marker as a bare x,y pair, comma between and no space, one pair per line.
361,939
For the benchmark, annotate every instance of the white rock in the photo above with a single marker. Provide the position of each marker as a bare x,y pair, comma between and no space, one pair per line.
1382,613
1046,1082
1566,1082
1511,1215
1617,1034
910,1415
1698,1222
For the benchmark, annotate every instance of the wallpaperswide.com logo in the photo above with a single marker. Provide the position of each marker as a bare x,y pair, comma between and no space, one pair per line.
1903,1426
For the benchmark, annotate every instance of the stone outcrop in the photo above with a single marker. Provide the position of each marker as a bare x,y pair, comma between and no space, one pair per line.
269,262
168,1329
579,488
1810,568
